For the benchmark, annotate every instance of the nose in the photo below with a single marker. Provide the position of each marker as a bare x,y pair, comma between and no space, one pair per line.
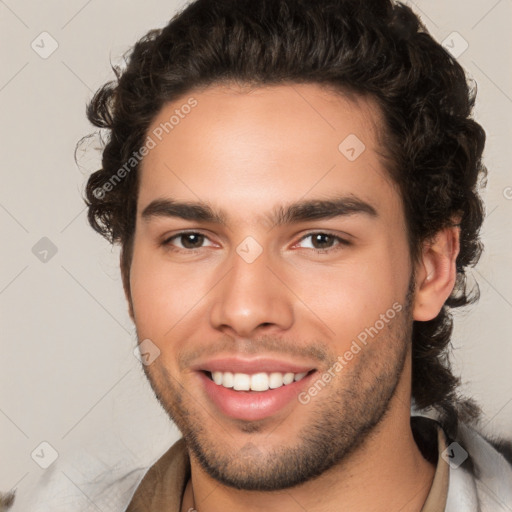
253,297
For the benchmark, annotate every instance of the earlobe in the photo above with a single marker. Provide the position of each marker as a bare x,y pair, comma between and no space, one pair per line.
436,273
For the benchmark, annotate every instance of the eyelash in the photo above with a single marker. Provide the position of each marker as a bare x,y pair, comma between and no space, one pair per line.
341,242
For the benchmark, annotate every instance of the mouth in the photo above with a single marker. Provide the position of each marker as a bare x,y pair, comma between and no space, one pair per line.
258,382
253,391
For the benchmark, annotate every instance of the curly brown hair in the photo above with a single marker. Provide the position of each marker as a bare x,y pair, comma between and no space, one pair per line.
376,48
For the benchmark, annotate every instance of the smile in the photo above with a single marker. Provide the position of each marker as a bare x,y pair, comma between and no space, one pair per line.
253,396
256,382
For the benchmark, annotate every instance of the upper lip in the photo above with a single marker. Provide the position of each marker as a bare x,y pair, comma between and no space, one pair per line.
251,366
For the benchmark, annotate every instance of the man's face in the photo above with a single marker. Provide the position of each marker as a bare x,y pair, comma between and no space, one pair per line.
249,300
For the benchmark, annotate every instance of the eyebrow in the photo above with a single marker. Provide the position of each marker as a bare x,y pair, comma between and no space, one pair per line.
300,211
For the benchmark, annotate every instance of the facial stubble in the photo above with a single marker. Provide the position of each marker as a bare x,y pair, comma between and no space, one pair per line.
340,418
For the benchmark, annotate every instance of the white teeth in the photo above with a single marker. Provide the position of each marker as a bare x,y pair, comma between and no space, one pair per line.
255,382
227,379
242,382
275,380
259,382
288,378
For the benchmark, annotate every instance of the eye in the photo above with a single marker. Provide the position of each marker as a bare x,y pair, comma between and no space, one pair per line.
323,242
185,241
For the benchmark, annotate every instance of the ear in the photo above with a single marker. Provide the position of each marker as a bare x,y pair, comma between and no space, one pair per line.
436,273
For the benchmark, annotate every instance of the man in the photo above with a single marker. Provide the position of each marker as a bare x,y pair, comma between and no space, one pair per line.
294,185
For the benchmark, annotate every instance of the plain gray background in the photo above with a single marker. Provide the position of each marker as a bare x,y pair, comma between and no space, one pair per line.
68,374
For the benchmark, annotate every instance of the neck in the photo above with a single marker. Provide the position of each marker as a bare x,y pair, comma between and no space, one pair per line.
386,472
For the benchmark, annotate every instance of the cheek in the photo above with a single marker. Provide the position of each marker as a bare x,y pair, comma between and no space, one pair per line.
345,299
163,294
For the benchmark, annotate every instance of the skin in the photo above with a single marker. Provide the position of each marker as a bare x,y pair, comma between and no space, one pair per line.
247,151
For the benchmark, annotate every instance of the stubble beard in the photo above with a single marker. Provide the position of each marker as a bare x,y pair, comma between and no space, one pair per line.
341,418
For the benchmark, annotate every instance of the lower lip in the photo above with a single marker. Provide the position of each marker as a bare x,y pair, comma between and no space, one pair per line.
252,405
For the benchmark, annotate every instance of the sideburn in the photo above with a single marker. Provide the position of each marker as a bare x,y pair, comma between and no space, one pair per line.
125,264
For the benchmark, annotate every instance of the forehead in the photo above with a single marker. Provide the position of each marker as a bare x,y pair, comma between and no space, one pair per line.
265,145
